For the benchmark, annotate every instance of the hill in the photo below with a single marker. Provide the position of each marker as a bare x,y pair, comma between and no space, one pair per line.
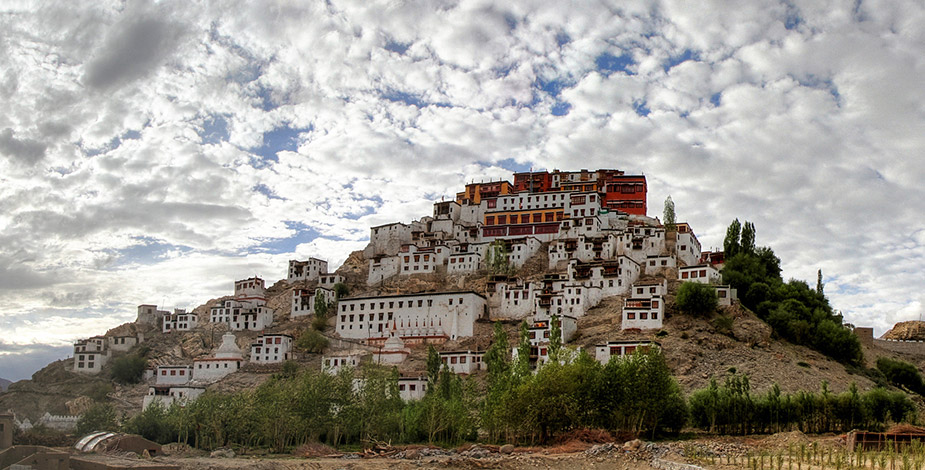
4,384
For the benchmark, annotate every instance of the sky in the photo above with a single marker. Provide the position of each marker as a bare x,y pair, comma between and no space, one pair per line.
154,152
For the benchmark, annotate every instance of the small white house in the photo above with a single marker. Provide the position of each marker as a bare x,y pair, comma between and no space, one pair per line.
463,263
271,349
463,362
725,295
172,374
329,280
702,273
167,395
603,352
644,313
333,363
655,262
122,343
412,388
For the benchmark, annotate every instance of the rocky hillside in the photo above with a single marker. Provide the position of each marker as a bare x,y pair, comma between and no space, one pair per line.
907,331
4,384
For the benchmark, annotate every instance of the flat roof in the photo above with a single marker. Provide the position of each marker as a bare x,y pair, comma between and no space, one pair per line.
419,294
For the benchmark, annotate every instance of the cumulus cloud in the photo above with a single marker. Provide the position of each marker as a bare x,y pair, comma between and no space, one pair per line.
153,153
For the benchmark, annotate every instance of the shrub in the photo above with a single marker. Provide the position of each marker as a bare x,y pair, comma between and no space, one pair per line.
696,299
341,290
128,369
100,417
901,374
320,322
312,341
723,324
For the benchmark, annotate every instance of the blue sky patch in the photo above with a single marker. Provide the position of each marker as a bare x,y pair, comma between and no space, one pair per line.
641,108
147,250
266,191
608,63
678,59
553,87
214,129
278,140
304,234
562,38
561,108
396,47
514,165
715,99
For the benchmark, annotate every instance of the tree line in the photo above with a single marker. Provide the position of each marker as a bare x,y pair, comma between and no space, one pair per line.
634,394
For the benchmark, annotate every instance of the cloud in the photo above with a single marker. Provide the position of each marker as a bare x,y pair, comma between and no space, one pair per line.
25,150
154,153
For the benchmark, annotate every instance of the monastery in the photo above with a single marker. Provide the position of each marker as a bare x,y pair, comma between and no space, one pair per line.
586,232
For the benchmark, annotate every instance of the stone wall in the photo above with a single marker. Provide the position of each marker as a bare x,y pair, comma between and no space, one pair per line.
902,347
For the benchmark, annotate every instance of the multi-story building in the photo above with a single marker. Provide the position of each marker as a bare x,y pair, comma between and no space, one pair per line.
248,310
687,247
303,300
307,270
416,317
124,343
172,374
150,315
412,388
90,355
702,273
271,349
180,320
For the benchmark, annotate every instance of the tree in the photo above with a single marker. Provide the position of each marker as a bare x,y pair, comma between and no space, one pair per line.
819,285
320,321
433,366
128,369
522,366
341,290
668,215
731,245
312,341
99,417
696,299
747,241
555,338
498,258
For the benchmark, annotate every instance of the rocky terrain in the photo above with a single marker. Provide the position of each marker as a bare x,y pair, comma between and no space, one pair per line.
4,384
907,331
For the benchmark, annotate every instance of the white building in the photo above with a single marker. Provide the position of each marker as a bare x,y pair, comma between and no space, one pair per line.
702,273
463,263
382,267
90,355
687,247
328,281
271,349
725,295
447,314
603,352
172,374
540,334
463,362
333,363
649,289
122,343
227,360
646,313
167,395
303,300
248,310
307,270
393,351
412,388
654,263
180,320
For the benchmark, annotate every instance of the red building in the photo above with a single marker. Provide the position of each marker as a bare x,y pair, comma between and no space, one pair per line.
533,182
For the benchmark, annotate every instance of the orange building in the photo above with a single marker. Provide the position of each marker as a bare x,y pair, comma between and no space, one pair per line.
476,191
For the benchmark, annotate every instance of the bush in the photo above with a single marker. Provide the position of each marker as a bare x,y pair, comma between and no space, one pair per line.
341,290
100,417
901,374
128,369
696,299
41,436
320,322
312,341
723,324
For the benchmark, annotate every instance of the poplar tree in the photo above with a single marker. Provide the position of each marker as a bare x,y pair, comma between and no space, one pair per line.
522,366
433,366
731,244
668,215
555,338
747,242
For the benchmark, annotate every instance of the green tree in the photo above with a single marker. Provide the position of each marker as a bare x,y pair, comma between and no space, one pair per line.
433,365
695,298
341,290
731,245
669,216
498,259
128,369
819,285
902,374
747,241
522,365
320,322
555,338
312,341
99,417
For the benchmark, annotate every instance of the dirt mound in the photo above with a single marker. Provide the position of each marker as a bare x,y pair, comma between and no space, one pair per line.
906,429
907,331
784,439
313,449
593,436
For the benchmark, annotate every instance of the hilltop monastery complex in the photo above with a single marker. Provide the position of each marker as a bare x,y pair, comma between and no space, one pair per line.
588,231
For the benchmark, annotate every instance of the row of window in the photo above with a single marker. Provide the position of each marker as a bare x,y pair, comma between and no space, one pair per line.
199,366
642,315
401,304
